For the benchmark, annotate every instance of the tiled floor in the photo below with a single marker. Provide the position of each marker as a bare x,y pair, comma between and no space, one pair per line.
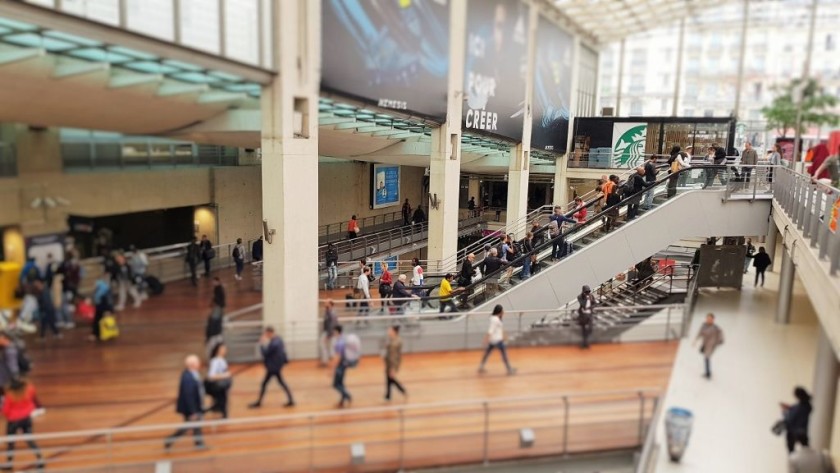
754,370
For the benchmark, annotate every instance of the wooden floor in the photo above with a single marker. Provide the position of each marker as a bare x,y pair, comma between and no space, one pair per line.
133,380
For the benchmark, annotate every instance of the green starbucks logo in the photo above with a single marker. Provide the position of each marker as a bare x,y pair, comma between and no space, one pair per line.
629,150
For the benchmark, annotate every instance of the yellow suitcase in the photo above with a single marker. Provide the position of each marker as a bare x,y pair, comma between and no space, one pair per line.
108,328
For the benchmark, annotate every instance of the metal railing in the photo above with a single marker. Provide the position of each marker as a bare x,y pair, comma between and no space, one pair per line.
333,232
814,207
392,437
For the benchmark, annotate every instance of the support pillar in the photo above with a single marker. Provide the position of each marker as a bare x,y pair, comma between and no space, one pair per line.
290,178
785,287
561,182
520,158
826,372
445,167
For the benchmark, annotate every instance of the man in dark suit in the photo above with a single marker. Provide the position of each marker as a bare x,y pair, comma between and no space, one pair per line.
274,357
189,404
586,302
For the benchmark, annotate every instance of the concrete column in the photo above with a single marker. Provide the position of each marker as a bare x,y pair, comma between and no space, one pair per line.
561,183
520,158
826,372
785,287
290,177
445,168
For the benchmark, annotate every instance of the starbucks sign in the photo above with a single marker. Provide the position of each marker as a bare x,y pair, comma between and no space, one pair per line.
628,145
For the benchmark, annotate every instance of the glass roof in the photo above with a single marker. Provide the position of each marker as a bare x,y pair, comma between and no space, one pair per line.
20,34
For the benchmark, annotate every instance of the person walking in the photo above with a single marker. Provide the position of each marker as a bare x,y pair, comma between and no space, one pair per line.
331,257
495,338
363,291
327,333
103,300
46,308
796,418
215,321
393,359
9,361
138,263
238,255
257,249
637,184
386,281
527,247
353,228
207,254
749,255
761,261
774,159
585,318
406,213
19,405
193,255
125,283
348,350
190,402
711,337
274,358
219,380
749,158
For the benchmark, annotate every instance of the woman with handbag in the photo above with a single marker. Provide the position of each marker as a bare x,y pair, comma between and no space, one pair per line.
219,380
385,282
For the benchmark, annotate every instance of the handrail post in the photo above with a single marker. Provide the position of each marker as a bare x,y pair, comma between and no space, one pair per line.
311,443
486,433
641,417
565,425
402,439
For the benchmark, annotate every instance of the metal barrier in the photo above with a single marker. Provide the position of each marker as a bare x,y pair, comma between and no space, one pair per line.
394,438
815,209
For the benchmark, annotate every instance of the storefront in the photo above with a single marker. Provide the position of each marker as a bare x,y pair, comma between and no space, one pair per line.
623,142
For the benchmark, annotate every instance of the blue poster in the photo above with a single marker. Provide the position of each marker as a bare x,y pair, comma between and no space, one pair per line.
386,185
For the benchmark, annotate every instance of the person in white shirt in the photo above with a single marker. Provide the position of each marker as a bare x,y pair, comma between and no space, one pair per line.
495,338
218,380
363,290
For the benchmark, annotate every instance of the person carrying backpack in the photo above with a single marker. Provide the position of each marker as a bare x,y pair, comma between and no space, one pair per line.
239,258
348,351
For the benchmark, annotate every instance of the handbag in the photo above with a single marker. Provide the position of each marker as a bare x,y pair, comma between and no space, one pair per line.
778,428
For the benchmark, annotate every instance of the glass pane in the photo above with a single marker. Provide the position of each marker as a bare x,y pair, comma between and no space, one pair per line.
151,17
107,155
679,134
184,154
104,11
241,33
75,155
200,25
135,153
209,154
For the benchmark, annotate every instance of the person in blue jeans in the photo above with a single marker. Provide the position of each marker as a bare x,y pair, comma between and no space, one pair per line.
495,338
348,349
557,233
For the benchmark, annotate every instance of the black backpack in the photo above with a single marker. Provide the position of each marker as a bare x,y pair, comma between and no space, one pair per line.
235,252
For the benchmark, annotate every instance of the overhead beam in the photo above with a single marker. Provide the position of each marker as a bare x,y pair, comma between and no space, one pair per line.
121,81
18,55
79,68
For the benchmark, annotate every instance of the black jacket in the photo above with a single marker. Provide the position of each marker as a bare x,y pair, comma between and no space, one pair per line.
585,317
650,171
193,253
332,257
720,156
796,418
189,395
761,261
257,250
400,292
219,296
491,264
274,354
467,273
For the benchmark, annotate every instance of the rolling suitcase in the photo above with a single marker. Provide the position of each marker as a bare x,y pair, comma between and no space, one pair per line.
108,328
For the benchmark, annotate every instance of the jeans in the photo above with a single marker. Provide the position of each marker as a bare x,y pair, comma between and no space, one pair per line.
450,303
632,210
338,381
747,264
526,269
23,426
585,332
240,265
501,347
124,288
48,322
332,276
759,272
710,177
648,199
325,347
708,364
197,436
279,375
207,267
193,276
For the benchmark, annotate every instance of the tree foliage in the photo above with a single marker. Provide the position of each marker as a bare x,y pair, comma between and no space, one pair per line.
818,108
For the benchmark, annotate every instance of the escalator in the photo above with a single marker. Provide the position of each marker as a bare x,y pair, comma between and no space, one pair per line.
696,209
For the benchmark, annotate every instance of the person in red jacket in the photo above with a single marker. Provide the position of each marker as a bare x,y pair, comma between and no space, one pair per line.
18,405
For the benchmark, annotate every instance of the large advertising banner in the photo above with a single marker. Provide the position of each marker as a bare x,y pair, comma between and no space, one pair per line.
392,53
496,66
628,144
552,87
385,185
